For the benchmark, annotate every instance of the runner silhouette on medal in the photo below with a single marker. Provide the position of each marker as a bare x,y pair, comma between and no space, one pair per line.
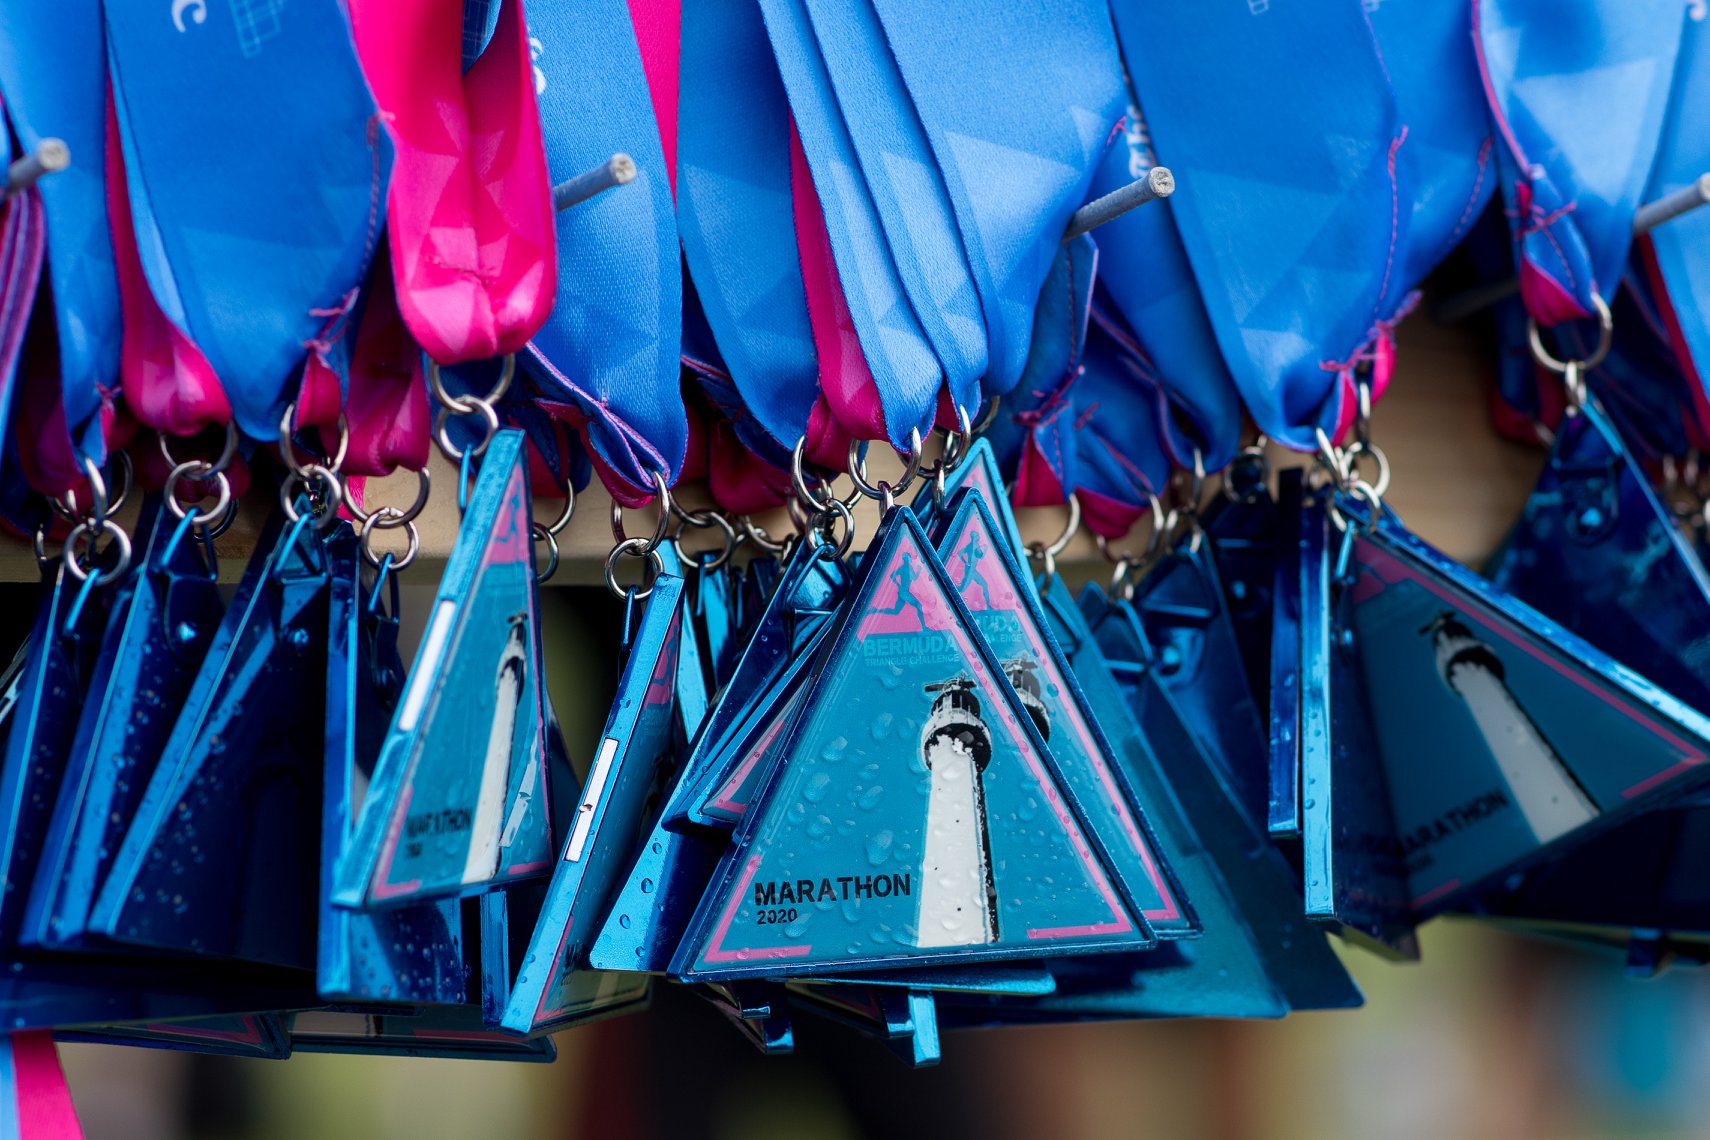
904,576
970,556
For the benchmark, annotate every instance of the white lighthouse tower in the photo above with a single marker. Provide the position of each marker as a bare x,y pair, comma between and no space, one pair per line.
958,898
1548,795
482,861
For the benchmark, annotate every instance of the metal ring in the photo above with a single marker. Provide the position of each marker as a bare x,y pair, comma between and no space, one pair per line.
288,445
556,527
451,451
640,549
1605,338
1369,496
1350,457
1246,475
989,415
758,535
228,449
543,534
463,404
884,490
1196,482
662,496
825,525
365,539
390,517
330,483
1061,543
798,476
82,529
1153,539
705,520
100,508
222,496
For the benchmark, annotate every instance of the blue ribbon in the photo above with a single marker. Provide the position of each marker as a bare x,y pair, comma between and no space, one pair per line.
257,170
54,77
611,346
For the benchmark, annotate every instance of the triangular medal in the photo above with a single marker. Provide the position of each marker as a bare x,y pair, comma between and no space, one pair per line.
671,872
459,803
453,1032
1597,552
917,817
1504,738
1007,613
258,1035
807,596
1180,602
1243,528
636,747
217,859
1284,680
977,469
59,663
693,689
906,1020
1258,957
411,953
154,647
1351,869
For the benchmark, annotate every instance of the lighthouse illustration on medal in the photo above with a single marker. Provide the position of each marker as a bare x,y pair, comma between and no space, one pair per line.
1546,791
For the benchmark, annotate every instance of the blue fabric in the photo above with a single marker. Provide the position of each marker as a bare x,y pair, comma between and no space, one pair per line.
1019,99
256,168
908,191
1579,93
1681,248
1447,160
611,345
1145,275
905,371
53,74
1285,123
736,219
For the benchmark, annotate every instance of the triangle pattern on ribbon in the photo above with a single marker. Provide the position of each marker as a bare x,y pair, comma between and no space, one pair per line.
459,803
1006,612
638,743
916,816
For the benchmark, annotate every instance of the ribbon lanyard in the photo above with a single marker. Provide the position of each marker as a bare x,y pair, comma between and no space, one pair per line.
53,76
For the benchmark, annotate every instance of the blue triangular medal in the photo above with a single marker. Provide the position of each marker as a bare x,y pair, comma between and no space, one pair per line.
979,470
154,648
459,802
906,1020
1007,613
257,1035
1597,552
1283,809
1504,738
411,953
808,595
1258,957
1181,604
917,817
216,859
59,664
453,1032
640,739
1351,870
670,874
1244,529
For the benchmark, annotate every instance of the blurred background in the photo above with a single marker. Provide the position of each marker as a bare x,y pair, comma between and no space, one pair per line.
1492,1035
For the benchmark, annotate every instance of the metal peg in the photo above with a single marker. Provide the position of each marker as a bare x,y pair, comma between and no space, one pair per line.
1671,206
615,171
1158,183
1459,306
50,155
